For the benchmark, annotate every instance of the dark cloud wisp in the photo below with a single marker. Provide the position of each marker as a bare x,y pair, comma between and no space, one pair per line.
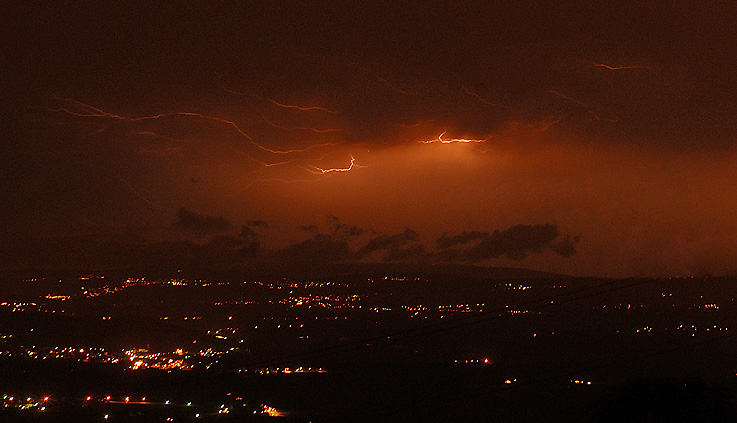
200,224
514,243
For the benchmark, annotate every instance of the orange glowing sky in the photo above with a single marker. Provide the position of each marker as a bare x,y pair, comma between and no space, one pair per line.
587,138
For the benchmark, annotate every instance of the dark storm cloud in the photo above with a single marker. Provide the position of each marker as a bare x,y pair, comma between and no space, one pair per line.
320,248
347,231
341,229
566,247
333,246
446,241
247,232
343,243
201,224
514,243
352,231
308,228
249,239
409,254
392,243
340,245
246,244
258,224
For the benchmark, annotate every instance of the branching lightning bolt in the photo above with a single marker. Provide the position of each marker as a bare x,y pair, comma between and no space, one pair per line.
93,112
102,118
319,170
285,106
582,105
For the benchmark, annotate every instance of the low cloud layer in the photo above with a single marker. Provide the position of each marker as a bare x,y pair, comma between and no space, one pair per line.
514,243
213,243
343,243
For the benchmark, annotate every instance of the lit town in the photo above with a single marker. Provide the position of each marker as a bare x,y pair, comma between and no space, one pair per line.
108,348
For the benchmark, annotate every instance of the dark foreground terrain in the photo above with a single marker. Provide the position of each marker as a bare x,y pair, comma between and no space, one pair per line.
368,346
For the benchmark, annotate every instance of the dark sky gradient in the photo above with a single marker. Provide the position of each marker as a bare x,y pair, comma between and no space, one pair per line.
603,134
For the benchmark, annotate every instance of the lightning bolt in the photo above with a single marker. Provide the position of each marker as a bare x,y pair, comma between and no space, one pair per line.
395,88
298,128
615,68
414,125
93,112
452,140
320,171
285,106
311,169
163,137
546,124
99,117
582,105
300,108
482,99
116,175
154,134
90,111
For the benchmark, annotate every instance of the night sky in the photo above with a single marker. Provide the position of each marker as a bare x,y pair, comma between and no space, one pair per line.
581,137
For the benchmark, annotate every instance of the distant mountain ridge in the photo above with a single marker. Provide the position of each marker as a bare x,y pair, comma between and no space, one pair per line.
402,269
